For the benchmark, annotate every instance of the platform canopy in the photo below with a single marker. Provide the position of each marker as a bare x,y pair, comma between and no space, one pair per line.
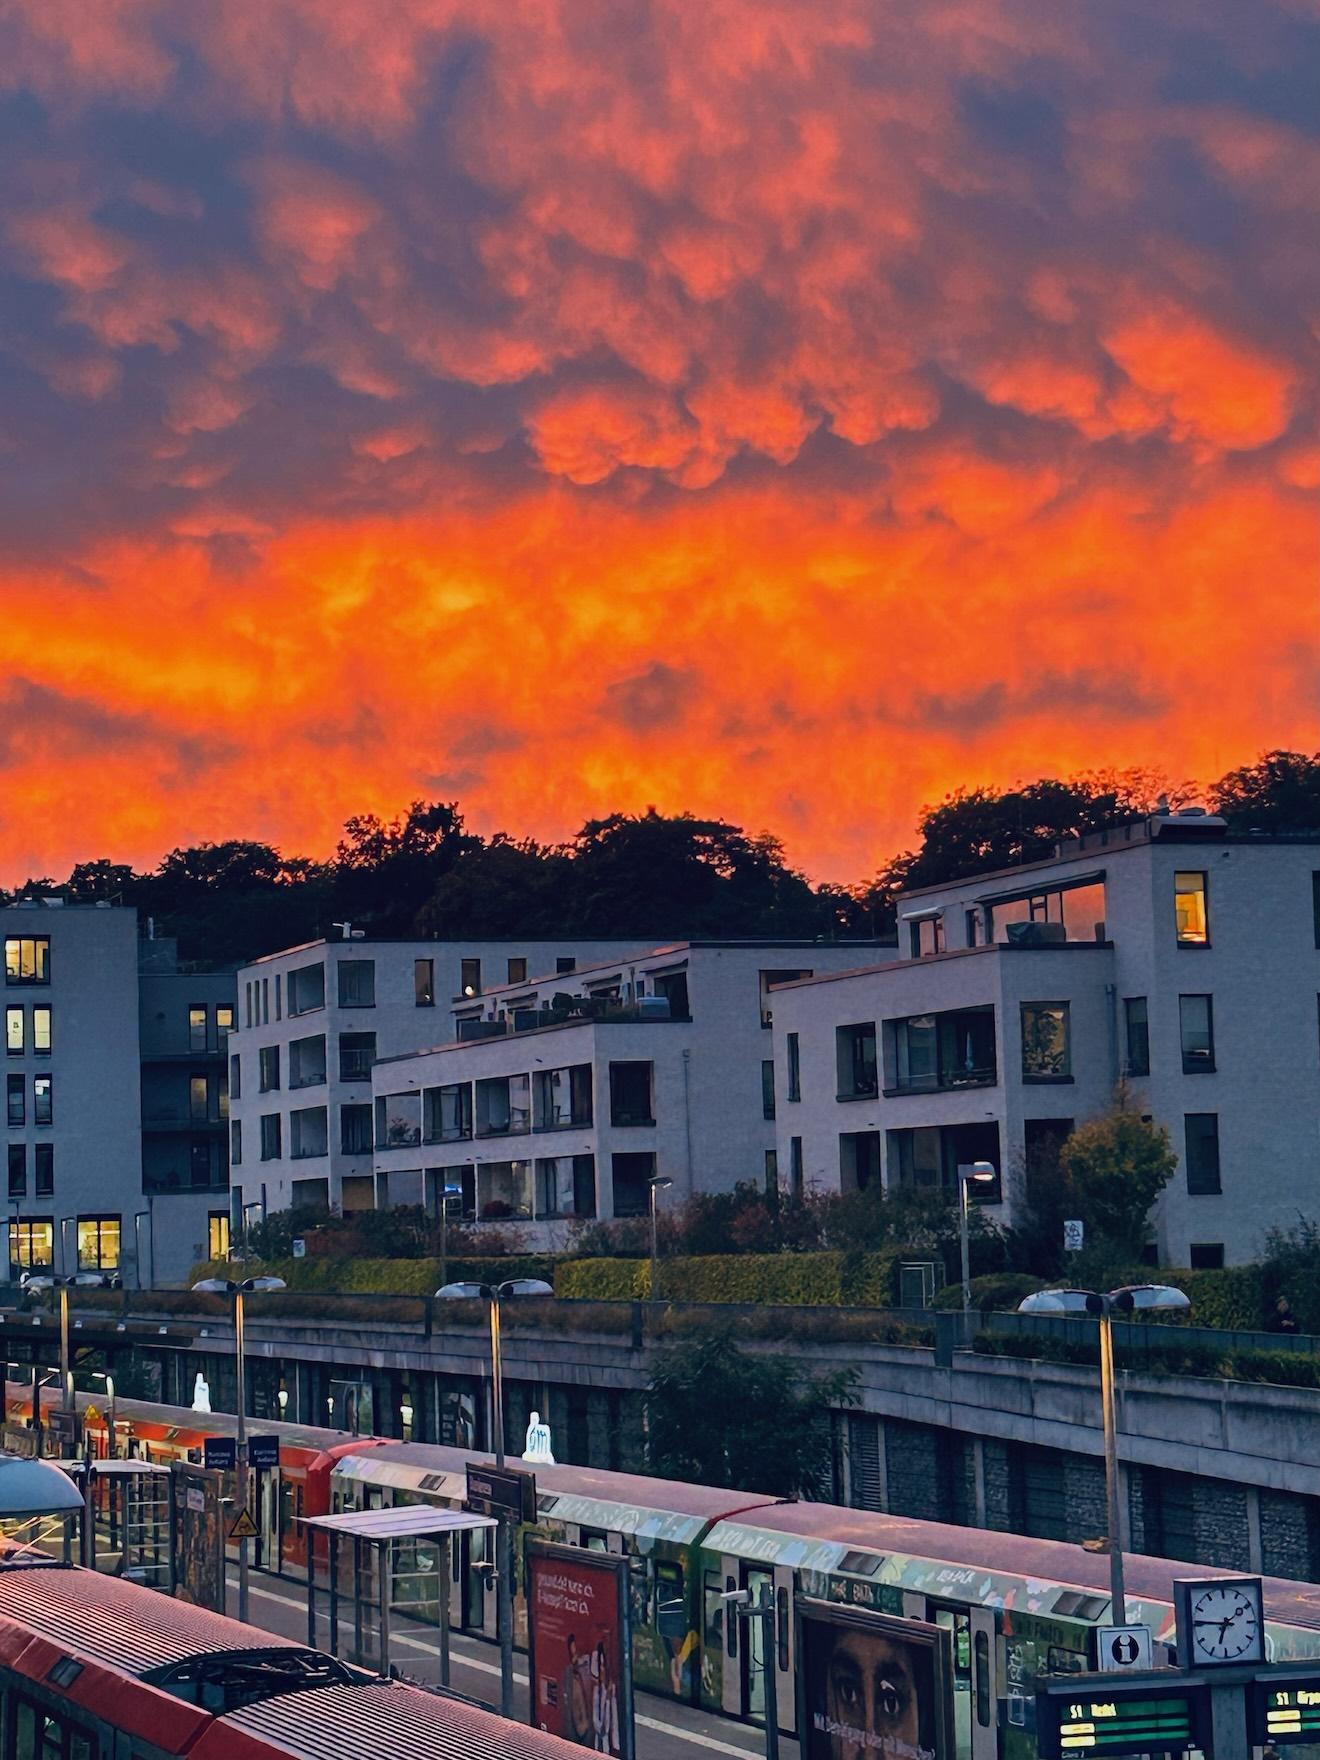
116,1469
410,1522
35,1488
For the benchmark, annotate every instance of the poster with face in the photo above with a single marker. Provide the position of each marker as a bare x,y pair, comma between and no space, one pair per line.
874,1687
578,1642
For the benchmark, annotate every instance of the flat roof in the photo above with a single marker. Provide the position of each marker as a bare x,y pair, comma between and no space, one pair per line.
404,1522
1054,948
580,1020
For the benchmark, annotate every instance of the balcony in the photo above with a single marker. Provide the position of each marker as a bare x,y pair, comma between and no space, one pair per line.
941,1053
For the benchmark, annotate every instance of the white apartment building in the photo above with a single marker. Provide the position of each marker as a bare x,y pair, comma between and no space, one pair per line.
86,1190
313,1020
1165,952
560,1100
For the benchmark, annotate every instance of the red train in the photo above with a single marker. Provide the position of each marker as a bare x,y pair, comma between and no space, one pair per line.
94,1668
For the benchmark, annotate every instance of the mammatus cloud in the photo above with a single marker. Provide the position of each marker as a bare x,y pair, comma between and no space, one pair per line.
782,411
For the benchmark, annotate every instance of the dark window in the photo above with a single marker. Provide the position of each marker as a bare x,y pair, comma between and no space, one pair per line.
16,1097
424,983
306,989
268,1062
1191,909
1137,1033
235,1142
197,1097
794,1054
517,971
673,986
15,1030
795,1175
43,1167
953,1049
926,936
199,1163
1201,1131
565,963
355,1129
470,978
307,1062
566,1186
1315,904
357,1053
859,1160
270,1136
768,1087
235,1077
856,1057
632,1174
308,1133
1197,1023
197,1027
18,1170
357,983
1207,1255
630,1094
399,1120
772,1174
1046,1048
448,1113
562,1097
27,959
43,1100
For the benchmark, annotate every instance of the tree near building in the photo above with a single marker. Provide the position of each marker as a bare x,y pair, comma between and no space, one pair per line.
720,1415
1111,1170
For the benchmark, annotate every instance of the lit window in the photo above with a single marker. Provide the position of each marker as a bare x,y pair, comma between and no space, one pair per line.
32,1244
217,1235
43,1100
424,983
224,1020
98,1243
27,959
197,1028
1046,1052
41,1030
197,1099
470,979
15,1031
1189,903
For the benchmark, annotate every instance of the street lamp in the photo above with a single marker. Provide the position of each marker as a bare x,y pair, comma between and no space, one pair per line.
108,1378
1143,1297
226,1286
974,1173
658,1183
64,1282
495,1295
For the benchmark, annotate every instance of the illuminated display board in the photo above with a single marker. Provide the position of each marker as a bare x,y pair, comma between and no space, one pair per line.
1137,1718
1285,1710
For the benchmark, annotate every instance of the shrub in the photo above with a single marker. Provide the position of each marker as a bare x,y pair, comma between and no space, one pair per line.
823,1279
1000,1292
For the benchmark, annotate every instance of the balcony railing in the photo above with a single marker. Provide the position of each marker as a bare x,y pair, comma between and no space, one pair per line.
948,1081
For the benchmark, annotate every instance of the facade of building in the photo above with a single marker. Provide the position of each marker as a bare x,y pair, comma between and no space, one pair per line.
1164,953
313,1019
88,1040
560,1101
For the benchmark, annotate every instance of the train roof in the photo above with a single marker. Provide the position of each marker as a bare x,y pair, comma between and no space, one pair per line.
936,1558
627,1503
18,1406
379,1717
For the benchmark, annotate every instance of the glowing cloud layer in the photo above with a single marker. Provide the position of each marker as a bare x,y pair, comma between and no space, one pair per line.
778,410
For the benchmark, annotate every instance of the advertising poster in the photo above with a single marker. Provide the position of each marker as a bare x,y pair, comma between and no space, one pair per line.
199,1557
872,1686
579,1649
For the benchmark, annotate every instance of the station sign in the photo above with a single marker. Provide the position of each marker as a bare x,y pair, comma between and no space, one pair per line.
263,1452
1127,1717
501,1491
220,1452
1120,1648
1284,1710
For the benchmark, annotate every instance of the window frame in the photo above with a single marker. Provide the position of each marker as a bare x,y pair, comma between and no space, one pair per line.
16,1011
1202,1190
1046,1079
38,1049
1192,1065
198,1043
1203,875
423,986
345,965
1129,1067
101,1221
40,976
47,1121
43,1170
277,1135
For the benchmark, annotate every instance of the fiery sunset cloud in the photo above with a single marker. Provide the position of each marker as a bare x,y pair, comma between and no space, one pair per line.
780,410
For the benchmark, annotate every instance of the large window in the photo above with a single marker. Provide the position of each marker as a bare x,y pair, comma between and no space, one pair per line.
504,1189
447,1113
859,1160
306,989
43,1100
856,1056
15,1030
503,1106
307,1062
15,1100
27,959
931,1156
357,1053
98,1243
32,1242
308,1133
197,1027
41,1031
268,1063
217,1234
224,1021
43,1168
562,1097
517,971
424,983
954,1049
926,936
18,1170
793,1053
1064,913
566,1186
357,983
470,977
399,1120
1046,1048
631,1175
630,1094
1196,1020
673,986
1136,1032
1201,1136
1191,910
271,1149
355,1128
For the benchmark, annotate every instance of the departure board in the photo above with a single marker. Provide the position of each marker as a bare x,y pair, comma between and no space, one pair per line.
1285,1710
1142,1718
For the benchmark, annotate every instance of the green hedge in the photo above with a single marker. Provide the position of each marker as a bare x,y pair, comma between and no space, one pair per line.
396,1277
794,1279
1275,1368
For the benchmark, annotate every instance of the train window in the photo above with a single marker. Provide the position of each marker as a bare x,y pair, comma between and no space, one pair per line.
1073,1604
861,1564
64,1672
782,1621
714,1610
25,1731
594,1539
981,1675
670,1604
80,1747
731,1623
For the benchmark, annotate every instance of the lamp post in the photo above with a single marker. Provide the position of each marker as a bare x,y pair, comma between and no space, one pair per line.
1140,1297
226,1286
658,1183
495,1295
64,1282
973,1173
110,1413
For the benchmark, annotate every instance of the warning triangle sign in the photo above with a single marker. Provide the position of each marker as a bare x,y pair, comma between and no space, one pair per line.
243,1527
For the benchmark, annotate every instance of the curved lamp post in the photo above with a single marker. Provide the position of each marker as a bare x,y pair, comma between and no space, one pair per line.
226,1286
495,1295
1103,1305
975,1173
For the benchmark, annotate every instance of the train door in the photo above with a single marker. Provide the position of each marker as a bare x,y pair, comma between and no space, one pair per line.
268,1519
972,1631
726,1582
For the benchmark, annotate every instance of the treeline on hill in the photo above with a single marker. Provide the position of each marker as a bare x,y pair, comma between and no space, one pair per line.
647,874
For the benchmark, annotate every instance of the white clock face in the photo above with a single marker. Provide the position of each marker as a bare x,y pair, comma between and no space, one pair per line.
1225,1625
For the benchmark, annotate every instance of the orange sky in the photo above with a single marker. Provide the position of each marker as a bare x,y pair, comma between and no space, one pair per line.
780,411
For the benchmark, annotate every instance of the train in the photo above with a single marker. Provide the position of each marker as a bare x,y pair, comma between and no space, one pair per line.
1016,1608
94,1668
